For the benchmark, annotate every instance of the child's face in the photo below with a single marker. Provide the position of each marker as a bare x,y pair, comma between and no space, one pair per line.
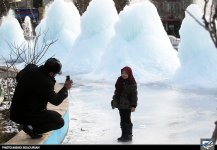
124,75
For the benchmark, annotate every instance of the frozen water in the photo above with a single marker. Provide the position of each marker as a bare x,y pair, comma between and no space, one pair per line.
164,115
62,23
97,28
140,42
27,28
198,57
107,42
11,34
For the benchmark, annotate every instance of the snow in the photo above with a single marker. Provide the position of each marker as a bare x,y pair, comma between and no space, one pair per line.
137,1
7,125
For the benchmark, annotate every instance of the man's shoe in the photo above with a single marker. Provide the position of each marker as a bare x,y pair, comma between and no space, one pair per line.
31,133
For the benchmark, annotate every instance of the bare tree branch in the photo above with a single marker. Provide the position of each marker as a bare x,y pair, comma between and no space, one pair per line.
209,18
210,23
32,53
195,19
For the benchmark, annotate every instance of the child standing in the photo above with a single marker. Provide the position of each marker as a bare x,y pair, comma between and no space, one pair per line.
125,99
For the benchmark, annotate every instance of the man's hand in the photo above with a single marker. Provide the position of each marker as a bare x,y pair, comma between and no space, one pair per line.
68,84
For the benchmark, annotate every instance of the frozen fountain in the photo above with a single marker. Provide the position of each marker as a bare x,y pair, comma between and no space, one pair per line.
11,35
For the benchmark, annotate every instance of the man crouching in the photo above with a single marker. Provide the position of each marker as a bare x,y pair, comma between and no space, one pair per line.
35,88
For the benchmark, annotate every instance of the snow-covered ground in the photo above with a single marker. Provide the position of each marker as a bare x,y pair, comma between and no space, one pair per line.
164,115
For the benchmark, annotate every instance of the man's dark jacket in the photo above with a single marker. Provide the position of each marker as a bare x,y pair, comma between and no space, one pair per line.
35,88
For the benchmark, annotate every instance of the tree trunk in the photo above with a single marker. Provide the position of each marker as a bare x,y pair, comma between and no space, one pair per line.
81,5
4,7
120,4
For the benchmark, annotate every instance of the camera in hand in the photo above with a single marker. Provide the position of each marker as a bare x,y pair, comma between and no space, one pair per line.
67,78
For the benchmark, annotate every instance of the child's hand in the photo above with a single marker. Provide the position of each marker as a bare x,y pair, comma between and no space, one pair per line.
114,104
133,109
